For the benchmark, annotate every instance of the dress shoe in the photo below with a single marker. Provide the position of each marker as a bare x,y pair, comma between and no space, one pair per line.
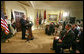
24,38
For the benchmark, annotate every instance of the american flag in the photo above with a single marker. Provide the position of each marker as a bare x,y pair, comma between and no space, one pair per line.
4,23
37,19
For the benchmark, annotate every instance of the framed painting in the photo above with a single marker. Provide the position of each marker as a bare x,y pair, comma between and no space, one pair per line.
53,17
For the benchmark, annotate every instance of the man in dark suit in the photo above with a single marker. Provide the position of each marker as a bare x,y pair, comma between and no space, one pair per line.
76,32
47,30
64,23
79,47
51,28
23,24
65,40
55,41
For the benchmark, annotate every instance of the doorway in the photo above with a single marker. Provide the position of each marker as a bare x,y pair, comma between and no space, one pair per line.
17,17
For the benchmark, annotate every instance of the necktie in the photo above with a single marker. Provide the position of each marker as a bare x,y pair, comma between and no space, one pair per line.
64,35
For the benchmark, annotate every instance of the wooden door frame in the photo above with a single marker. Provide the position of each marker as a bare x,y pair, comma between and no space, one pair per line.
14,14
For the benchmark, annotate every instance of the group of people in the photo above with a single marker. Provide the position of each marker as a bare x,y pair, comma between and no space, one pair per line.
71,36
53,29
11,27
26,25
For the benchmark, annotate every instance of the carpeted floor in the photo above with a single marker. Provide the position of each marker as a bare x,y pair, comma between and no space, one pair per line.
41,44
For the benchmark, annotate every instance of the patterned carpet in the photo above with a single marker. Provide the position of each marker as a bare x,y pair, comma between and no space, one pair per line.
41,43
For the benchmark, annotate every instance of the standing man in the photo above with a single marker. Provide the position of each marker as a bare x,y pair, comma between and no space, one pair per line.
64,23
51,28
40,22
23,24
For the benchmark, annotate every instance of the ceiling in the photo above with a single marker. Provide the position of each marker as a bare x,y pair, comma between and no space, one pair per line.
27,3
54,4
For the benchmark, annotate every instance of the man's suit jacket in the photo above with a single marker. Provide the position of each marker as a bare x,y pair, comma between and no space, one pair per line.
23,22
51,28
62,33
68,39
80,44
76,32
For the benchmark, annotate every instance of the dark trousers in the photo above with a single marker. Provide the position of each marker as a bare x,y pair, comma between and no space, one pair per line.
74,47
55,43
23,32
51,31
57,46
46,31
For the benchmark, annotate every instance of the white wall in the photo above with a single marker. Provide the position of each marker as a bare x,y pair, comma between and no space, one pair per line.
32,13
14,5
